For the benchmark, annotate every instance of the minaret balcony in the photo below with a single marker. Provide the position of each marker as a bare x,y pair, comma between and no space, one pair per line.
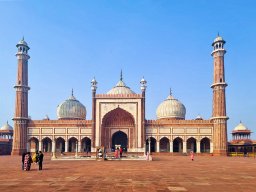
223,84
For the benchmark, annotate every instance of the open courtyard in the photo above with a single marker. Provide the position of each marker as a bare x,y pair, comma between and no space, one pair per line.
164,173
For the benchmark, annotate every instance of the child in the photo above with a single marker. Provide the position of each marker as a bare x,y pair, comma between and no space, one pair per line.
192,155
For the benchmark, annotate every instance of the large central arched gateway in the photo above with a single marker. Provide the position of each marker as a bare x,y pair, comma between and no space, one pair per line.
119,118
119,138
118,128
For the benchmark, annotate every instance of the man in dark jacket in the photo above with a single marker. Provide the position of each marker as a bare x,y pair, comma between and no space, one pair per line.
22,160
40,160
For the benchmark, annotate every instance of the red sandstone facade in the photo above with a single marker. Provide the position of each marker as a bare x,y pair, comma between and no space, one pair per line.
118,117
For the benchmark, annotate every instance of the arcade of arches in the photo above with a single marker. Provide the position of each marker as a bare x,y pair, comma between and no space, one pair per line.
60,144
121,138
178,145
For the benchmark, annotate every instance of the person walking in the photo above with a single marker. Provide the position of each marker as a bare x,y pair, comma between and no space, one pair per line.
116,153
121,151
40,160
22,160
192,155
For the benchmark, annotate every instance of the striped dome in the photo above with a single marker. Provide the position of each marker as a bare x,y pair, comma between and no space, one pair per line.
120,88
71,109
6,127
171,108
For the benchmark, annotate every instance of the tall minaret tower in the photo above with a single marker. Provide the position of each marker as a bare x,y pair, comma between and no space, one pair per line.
219,117
94,88
143,87
21,101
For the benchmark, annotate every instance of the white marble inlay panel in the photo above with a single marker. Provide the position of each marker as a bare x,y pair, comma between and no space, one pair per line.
33,131
72,131
150,130
178,130
86,131
165,130
60,131
45,131
206,131
191,130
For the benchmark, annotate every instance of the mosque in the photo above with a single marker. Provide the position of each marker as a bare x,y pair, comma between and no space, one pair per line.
119,118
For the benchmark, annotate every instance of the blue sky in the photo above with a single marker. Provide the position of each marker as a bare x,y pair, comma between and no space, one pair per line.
167,42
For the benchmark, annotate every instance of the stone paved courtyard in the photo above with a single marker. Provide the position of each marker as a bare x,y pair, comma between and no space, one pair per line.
165,173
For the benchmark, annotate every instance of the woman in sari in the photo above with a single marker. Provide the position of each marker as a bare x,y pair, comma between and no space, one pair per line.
27,162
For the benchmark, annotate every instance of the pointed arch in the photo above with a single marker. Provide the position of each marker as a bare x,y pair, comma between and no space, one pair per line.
72,144
120,138
86,144
118,117
115,120
60,144
152,146
191,144
164,144
47,144
205,145
33,144
178,145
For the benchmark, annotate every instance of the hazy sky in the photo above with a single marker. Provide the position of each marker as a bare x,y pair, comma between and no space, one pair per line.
166,41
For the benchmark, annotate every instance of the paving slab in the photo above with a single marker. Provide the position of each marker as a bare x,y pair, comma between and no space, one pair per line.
167,173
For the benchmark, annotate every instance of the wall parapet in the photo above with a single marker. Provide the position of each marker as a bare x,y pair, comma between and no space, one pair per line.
130,96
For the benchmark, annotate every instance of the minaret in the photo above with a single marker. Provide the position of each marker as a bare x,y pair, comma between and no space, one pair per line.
219,116
143,87
21,101
94,88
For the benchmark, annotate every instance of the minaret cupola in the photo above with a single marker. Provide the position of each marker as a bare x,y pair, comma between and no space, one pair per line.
22,47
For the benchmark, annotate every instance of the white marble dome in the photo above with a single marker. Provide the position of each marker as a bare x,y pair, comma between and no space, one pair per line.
199,117
22,42
171,108
6,127
71,109
120,88
240,127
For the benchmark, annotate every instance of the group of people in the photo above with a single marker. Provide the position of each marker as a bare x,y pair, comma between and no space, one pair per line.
118,152
27,160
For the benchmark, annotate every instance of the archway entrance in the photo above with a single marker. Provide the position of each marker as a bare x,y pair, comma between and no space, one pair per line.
152,144
72,144
177,145
47,144
191,145
86,144
120,138
164,145
205,145
33,144
60,145
118,128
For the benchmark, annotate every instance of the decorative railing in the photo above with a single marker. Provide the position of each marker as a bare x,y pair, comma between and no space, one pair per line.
118,95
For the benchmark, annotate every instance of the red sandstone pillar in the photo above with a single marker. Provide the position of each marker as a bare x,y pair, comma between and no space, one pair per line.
219,116
21,102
